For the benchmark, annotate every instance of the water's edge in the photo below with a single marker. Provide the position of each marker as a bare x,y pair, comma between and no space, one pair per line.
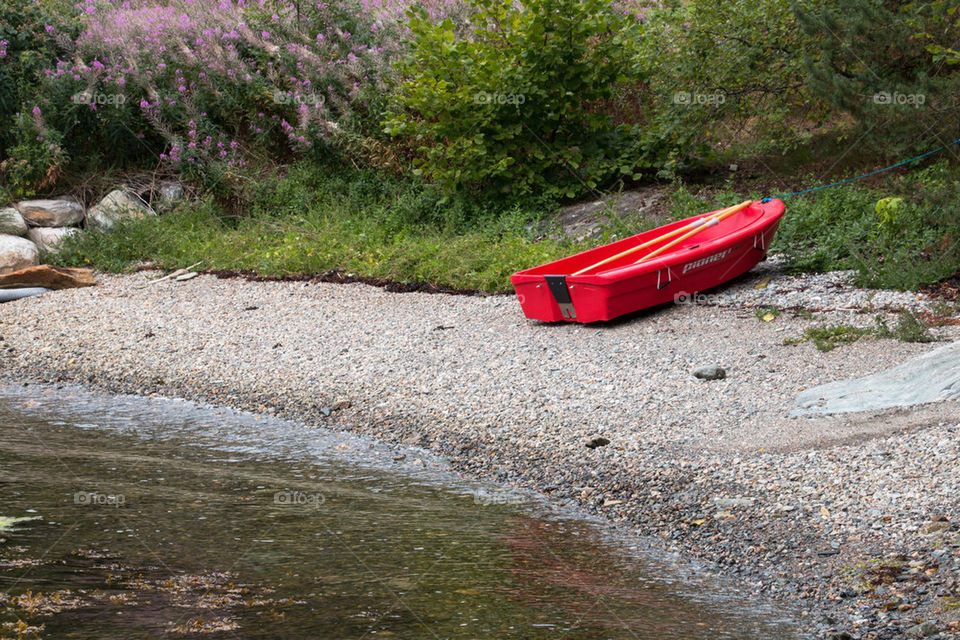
286,438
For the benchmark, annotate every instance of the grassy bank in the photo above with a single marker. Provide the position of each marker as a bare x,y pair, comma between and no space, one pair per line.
314,219
898,234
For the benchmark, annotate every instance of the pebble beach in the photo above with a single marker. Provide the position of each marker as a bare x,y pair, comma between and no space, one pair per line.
853,520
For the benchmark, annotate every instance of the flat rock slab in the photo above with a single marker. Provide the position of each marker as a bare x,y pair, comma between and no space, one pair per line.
48,277
931,377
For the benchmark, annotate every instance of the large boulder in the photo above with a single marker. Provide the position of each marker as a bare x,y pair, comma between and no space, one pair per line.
59,212
12,223
49,238
17,253
115,206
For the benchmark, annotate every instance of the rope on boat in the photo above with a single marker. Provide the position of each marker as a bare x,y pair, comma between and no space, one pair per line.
866,175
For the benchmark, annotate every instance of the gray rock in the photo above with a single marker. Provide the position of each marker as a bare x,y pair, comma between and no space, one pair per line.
59,212
170,193
711,372
49,238
115,206
924,630
932,377
597,442
17,253
12,223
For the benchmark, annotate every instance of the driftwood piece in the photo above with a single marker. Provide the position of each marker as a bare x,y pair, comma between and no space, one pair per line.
176,275
48,277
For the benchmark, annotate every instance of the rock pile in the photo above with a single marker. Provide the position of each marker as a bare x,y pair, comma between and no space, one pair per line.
30,228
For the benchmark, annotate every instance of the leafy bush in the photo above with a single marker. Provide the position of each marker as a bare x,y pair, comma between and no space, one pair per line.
714,67
902,246
512,103
206,86
33,35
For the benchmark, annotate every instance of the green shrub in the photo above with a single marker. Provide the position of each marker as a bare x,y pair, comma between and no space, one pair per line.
201,86
890,66
818,231
513,103
723,74
33,35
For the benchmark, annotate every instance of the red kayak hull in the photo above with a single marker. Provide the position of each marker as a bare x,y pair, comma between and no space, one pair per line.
709,258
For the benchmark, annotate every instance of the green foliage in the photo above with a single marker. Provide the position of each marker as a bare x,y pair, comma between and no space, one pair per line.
317,218
818,230
909,328
27,50
33,35
897,81
830,337
902,246
714,67
35,161
511,104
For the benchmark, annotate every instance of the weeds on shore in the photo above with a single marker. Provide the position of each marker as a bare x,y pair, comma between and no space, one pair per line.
830,337
909,328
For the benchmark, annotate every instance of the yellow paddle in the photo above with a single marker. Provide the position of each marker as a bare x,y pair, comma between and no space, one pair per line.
703,224
696,224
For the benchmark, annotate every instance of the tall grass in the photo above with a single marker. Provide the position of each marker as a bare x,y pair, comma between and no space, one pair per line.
312,221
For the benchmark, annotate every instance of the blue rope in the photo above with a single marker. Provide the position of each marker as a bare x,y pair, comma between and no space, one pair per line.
866,175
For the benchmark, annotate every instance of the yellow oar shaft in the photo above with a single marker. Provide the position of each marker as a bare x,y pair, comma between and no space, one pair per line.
648,243
710,221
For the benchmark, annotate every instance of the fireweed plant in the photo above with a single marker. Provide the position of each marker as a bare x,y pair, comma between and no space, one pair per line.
207,86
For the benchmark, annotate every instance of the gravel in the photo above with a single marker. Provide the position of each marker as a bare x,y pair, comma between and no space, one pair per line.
854,519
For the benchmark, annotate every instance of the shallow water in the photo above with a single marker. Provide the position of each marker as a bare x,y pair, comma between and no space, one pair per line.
157,517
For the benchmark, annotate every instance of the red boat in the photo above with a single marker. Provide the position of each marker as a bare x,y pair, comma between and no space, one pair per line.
650,268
